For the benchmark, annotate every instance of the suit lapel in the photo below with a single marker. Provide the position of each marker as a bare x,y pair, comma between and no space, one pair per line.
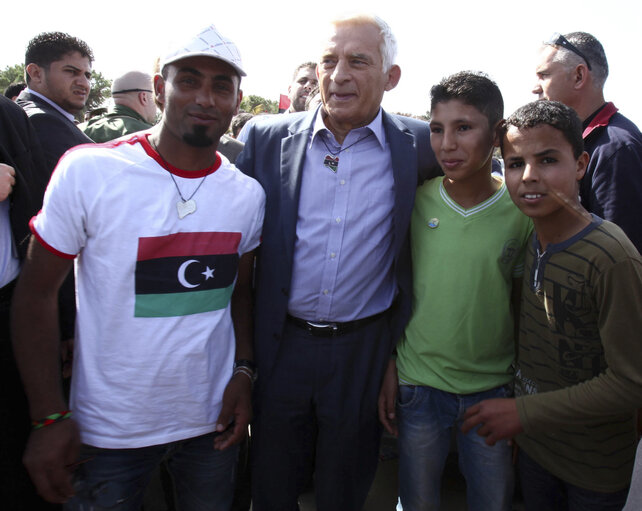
402,149
293,149
43,105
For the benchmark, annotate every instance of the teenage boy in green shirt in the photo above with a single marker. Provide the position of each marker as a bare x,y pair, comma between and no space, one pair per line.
467,242
579,378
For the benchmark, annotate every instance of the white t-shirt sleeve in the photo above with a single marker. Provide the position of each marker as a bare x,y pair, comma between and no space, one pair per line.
60,225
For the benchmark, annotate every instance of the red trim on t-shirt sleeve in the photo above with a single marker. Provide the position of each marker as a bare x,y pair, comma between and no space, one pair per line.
45,244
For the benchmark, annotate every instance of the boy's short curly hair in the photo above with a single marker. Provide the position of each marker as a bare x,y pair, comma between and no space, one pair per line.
550,113
471,88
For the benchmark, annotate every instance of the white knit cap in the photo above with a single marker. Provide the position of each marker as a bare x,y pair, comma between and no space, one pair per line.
209,43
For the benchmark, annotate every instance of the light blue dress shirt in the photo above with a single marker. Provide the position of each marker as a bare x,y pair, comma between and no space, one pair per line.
9,262
343,255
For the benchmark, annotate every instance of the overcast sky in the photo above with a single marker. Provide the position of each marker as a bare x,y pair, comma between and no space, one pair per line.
435,38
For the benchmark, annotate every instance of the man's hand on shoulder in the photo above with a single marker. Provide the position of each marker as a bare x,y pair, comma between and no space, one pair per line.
50,457
7,180
236,412
498,419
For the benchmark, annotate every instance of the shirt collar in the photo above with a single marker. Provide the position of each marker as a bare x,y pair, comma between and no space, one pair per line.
44,98
375,126
600,118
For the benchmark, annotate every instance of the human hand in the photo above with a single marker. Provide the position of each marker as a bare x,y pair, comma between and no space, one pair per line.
7,180
236,412
498,418
388,398
50,456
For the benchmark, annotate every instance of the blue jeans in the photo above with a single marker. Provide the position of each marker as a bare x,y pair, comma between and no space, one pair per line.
426,417
542,490
115,479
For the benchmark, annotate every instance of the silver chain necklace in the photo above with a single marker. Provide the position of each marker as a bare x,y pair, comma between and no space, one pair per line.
184,206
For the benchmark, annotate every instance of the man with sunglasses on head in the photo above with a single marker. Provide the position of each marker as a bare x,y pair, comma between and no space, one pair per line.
572,69
134,109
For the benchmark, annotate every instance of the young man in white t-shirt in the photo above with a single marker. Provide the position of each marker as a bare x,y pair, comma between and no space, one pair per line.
164,228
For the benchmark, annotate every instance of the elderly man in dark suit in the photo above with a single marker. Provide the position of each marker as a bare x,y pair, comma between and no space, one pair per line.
333,274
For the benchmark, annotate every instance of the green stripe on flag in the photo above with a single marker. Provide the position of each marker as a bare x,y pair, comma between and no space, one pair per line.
182,304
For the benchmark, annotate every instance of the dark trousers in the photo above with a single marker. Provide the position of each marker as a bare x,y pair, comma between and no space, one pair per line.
17,491
319,403
542,491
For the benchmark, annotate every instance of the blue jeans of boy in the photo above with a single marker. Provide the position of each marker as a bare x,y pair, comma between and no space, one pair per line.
542,490
115,479
426,417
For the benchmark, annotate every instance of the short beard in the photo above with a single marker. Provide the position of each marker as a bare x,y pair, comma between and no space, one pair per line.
198,138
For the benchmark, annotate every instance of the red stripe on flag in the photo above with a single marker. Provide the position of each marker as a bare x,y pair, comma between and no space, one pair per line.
284,102
188,244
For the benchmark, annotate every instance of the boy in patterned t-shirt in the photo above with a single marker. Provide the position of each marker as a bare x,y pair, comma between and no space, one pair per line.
579,378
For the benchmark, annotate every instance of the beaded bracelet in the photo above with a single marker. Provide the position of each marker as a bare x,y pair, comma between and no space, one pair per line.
50,419
247,372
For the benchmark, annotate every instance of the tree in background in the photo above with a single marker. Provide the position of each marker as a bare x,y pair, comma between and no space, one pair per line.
258,105
10,75
99,93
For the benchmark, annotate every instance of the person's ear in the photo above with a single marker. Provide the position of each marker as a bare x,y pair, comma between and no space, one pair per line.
159,90
580,76
394,75
582,165
35,72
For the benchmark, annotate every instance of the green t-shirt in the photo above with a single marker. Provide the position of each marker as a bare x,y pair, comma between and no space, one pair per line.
460,337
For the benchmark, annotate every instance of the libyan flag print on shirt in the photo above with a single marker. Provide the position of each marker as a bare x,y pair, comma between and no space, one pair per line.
185,273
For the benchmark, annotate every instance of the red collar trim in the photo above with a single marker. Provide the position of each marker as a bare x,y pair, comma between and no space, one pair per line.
601,119
142,138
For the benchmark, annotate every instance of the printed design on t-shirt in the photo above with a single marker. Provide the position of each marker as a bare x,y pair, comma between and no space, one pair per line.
523,385
185,273
579,357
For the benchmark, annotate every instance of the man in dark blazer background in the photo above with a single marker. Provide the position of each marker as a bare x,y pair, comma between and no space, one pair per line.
333,283
58,73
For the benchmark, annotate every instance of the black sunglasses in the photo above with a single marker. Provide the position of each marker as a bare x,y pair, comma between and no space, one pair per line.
559,40
147,90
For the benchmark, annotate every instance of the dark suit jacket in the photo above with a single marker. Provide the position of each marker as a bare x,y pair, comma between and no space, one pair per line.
20,148
274,155
57,134
55,131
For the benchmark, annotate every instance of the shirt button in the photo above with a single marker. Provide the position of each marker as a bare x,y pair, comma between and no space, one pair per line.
325,291
338,220
332,255
343,181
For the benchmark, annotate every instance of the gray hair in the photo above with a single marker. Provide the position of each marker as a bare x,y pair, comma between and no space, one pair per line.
388,46
590,47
